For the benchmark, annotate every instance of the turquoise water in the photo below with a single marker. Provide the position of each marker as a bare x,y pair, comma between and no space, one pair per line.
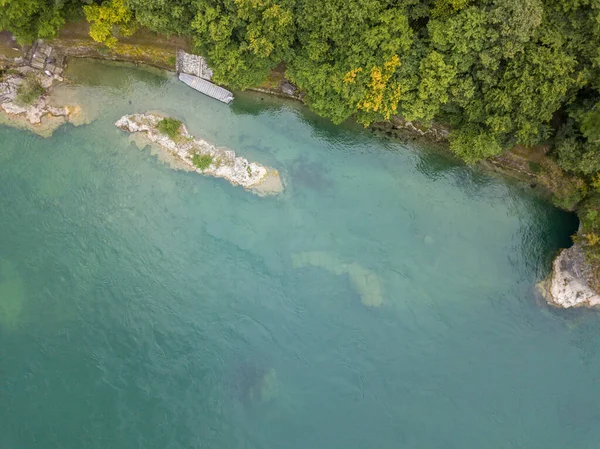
384,300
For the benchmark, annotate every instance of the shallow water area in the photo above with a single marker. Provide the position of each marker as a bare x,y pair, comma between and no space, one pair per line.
385,299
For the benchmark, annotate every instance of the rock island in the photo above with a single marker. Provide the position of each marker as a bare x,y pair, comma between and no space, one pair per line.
201,156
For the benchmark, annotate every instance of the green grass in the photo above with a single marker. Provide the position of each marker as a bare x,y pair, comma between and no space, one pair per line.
170,127
6,72
29,91
202,161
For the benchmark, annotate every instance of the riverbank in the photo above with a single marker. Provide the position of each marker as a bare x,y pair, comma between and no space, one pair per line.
530,165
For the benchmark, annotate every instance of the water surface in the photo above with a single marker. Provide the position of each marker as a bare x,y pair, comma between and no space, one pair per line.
384,300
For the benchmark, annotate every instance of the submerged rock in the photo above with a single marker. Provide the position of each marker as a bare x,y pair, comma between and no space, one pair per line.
223,163
364,280
569,283
256,384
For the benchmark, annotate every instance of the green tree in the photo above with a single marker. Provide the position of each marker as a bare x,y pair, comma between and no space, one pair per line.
493,74
473,143
164,16
31,19
577,144
112,16
243,39
433,91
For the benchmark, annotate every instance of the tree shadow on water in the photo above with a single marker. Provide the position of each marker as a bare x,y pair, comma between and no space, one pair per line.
254,104
113,74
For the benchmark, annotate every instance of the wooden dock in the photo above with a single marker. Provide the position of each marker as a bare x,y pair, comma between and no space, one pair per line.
207,88
46,59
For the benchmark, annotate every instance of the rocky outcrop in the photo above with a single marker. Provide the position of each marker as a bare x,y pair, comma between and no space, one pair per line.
42,116
33,112
569,283
223,163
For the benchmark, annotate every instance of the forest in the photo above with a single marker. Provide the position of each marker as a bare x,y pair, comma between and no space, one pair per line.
500,73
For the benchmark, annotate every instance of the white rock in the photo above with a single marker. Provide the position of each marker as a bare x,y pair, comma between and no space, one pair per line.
33,113
568,285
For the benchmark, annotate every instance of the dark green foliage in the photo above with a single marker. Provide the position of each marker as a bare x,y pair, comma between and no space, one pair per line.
534,167
576,153
342,52
170,127
589,236
30,19
164,16
473,144
243,39
29,91
202,161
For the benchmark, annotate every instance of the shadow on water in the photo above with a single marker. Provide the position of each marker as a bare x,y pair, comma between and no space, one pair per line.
247,380
255,103
112,74
12,296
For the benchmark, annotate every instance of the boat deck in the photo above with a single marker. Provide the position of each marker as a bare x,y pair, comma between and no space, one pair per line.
207,88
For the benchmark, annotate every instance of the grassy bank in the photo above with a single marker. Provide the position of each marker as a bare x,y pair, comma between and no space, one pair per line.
143,46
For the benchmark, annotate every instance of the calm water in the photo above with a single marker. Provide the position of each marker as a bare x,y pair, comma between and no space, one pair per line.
385,300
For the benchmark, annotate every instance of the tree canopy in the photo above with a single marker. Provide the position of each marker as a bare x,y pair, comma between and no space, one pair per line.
31,19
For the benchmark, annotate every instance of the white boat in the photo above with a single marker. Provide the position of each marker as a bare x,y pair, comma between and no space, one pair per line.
207,88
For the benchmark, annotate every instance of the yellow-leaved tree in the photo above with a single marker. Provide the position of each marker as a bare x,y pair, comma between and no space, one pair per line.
375,93
110,17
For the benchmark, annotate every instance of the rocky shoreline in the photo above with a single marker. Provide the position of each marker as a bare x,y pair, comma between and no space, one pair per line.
221,163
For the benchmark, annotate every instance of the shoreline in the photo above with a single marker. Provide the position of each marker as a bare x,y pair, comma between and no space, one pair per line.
163,58
527,165
513,164
160,52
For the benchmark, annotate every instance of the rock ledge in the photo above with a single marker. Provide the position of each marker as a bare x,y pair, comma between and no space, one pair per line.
41,116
